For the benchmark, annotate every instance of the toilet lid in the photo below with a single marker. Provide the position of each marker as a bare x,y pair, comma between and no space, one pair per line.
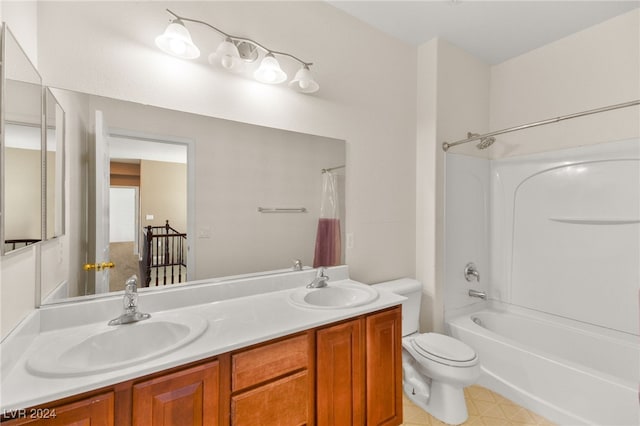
439,346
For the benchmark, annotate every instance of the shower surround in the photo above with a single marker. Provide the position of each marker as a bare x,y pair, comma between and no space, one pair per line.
556,237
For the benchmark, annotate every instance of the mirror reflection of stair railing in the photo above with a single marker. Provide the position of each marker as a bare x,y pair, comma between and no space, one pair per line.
163,256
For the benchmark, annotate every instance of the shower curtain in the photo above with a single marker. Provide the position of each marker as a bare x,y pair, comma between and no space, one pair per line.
328,243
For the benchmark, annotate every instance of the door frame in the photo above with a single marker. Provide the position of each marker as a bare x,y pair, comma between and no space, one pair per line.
191,179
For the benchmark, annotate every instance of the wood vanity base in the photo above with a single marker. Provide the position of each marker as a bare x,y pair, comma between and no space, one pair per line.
345,373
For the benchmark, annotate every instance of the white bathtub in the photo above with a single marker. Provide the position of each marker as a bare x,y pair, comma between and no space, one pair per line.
568,372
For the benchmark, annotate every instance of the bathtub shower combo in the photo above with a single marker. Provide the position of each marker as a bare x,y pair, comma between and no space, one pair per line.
556,238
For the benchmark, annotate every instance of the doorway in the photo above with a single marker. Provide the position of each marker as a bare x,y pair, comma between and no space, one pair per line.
149,187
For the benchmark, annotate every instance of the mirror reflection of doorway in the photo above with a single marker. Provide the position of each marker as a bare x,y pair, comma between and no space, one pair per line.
148,187
123,238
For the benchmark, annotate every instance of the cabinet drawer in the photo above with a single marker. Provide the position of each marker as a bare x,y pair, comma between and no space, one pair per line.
283,402
267,362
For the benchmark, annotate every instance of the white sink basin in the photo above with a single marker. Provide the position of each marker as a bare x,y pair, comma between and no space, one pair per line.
342,294
111,347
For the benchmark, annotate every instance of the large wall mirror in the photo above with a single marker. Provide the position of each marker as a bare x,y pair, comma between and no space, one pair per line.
21,148
223,198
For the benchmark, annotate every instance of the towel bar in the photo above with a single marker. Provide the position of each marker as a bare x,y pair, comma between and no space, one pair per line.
282,210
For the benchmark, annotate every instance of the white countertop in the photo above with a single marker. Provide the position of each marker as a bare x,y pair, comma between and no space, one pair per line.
233,323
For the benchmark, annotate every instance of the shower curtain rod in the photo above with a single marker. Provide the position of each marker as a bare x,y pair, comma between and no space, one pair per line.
446,145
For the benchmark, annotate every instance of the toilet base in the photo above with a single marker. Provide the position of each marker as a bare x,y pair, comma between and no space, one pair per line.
444,402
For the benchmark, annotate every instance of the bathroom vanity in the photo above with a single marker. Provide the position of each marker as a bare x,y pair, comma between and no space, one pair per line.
261,360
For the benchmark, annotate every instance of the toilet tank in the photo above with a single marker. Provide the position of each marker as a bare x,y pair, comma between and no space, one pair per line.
412,290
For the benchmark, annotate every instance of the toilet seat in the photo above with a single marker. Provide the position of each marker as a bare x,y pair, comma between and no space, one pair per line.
444,350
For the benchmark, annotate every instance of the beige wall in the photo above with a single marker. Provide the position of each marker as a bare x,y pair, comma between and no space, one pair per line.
19,282
22,17
594,68
453,94
427,156
163,194
22,193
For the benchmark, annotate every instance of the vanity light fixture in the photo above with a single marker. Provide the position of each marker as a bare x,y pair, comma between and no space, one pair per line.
303,81
176,41
270,71
234,53
228,56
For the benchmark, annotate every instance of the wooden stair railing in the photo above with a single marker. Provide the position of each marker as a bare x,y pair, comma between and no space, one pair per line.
163,256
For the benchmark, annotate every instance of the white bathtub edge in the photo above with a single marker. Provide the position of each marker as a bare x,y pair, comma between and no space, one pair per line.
504,353
526,399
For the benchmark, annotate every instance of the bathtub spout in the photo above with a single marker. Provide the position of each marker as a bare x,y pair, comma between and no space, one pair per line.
475,293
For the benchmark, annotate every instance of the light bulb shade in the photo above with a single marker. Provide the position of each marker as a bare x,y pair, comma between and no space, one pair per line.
303,81
176,41
227,56
270,71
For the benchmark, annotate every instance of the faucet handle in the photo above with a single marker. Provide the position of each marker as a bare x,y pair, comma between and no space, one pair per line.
131,293
130,303
321,273
130,300
471,272
322,276
131,284
297,265
320,280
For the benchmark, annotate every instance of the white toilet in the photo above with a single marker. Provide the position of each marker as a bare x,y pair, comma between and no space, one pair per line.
435,368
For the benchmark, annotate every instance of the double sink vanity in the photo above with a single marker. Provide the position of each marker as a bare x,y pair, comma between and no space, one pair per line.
255,350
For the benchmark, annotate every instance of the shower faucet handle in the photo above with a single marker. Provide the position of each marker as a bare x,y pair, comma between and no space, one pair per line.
471,272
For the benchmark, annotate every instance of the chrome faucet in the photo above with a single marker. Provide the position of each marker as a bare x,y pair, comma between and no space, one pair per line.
130,303
471,272
480,294
297,265
320,280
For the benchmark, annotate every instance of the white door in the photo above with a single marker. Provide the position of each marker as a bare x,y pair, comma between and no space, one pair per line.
102,171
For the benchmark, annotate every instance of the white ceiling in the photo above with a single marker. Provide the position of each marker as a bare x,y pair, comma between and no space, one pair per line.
493,31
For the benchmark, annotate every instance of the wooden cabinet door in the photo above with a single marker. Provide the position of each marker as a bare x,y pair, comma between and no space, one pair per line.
340,374
188,397
96,411
384,367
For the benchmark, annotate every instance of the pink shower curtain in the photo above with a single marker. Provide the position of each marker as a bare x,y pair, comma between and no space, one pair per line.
328,243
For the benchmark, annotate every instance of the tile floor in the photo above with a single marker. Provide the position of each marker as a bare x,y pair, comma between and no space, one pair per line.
485,407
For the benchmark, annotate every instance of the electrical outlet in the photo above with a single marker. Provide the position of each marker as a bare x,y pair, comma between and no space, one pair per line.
204,232
349,240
